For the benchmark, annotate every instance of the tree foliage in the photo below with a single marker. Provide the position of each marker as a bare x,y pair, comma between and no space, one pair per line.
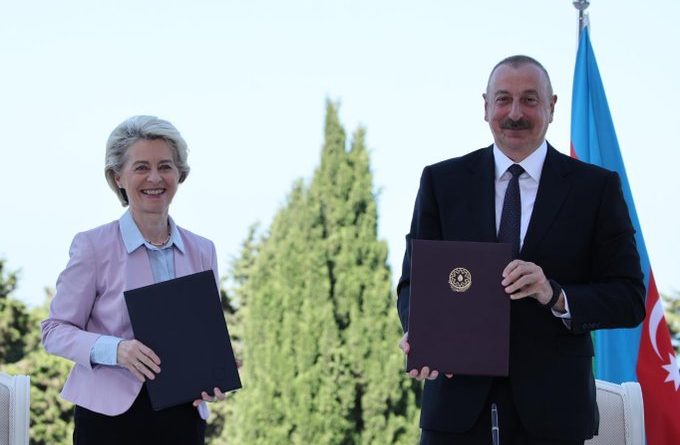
234,301
319,325
51,416
15,321
21,353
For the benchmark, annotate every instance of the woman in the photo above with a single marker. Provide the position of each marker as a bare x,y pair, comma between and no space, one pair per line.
146,160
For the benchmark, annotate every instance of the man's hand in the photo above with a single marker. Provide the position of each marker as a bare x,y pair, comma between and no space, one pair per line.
425,371
523,279
139,359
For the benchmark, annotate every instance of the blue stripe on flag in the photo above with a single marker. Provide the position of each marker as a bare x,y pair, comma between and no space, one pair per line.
594,141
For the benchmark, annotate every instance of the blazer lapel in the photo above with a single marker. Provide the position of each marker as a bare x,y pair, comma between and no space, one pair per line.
481,198
552,191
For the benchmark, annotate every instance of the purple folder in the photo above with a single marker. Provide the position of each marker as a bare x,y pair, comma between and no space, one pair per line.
459,316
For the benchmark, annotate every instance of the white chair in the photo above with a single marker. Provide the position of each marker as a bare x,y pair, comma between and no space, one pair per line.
15,394
622,417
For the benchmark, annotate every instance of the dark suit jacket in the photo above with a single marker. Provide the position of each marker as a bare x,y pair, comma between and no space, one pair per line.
581,235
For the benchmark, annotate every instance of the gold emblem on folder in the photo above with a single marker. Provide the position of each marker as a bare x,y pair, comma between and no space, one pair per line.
460,279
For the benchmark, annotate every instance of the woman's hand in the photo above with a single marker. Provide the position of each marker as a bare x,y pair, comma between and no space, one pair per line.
219,395
139,359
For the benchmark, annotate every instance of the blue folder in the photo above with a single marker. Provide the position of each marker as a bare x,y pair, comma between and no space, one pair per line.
183,322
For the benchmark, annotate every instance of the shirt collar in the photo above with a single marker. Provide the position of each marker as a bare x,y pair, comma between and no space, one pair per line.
532,164
132,237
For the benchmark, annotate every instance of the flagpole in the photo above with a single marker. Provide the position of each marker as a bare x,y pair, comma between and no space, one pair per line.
581,5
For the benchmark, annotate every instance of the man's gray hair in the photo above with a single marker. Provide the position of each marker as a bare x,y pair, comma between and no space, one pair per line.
132,130
520,60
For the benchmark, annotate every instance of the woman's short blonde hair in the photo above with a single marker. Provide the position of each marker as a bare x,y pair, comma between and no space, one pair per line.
132,130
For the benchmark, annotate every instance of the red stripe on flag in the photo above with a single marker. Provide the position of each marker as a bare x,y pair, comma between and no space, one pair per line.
658,374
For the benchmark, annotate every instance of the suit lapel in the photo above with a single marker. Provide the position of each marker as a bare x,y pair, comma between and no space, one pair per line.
481,204
552,191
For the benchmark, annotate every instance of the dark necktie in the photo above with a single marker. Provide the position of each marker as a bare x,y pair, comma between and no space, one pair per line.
511,217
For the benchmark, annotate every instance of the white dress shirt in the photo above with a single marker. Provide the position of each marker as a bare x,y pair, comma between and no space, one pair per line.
528,188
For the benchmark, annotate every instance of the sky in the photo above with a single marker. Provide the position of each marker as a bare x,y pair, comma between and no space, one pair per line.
246,82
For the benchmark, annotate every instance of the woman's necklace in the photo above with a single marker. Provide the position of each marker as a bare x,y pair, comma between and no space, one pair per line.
159,244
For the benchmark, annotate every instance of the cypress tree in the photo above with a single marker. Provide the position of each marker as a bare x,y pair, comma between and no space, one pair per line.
321,363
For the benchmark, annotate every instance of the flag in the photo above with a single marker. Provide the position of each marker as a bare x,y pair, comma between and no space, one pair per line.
644,353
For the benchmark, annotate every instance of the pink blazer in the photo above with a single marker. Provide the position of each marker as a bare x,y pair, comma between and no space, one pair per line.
89,302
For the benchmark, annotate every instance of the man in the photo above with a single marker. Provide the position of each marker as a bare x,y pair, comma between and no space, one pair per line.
576,269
